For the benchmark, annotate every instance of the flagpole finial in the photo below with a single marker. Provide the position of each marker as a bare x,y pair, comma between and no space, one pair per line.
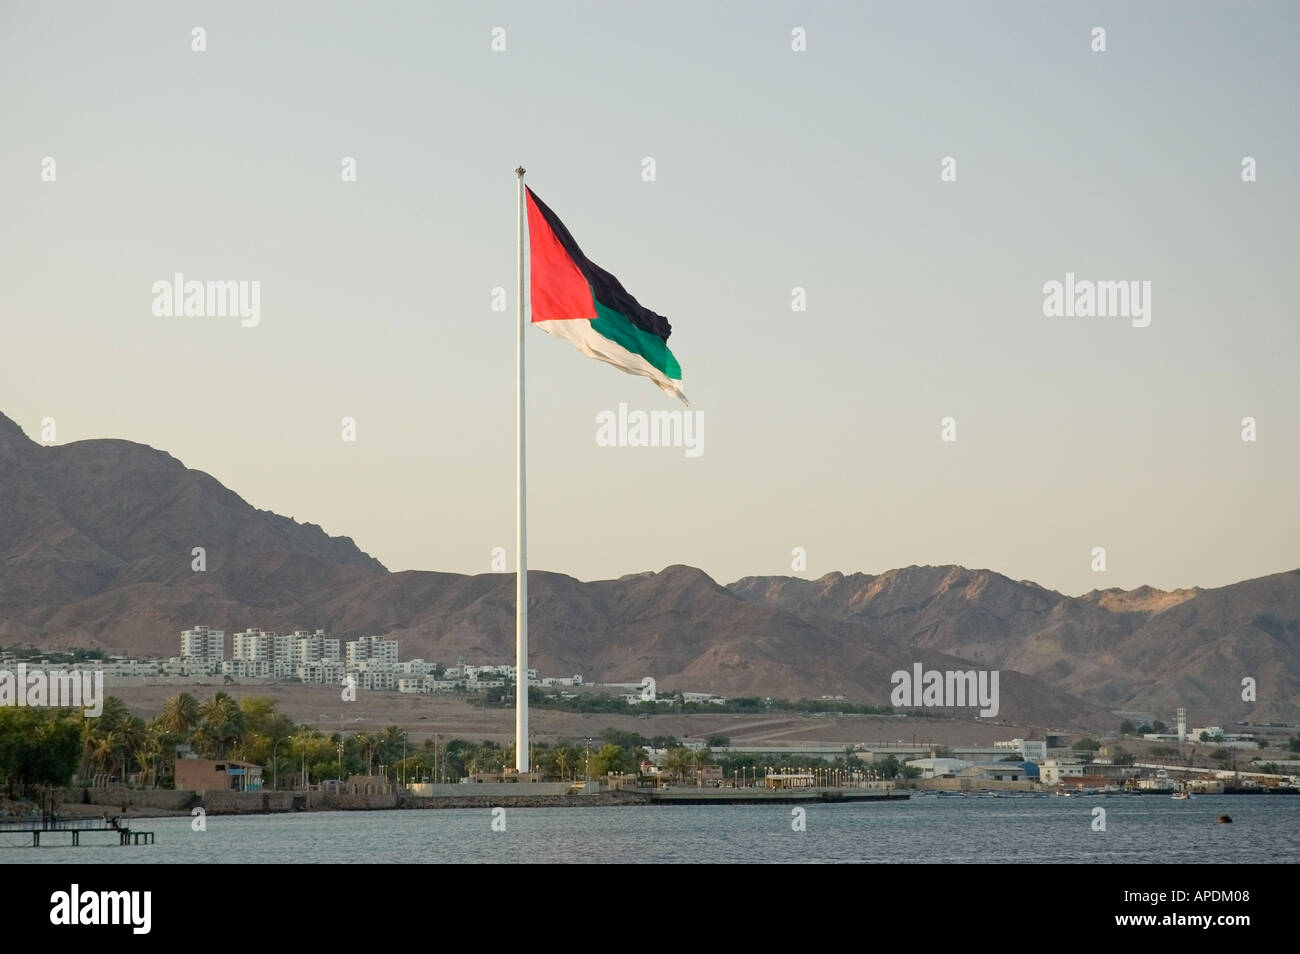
520,172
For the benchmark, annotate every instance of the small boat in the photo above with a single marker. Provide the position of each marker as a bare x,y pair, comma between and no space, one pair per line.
1181,796
1225,819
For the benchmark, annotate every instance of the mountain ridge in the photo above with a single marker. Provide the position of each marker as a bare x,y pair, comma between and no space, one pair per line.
96,550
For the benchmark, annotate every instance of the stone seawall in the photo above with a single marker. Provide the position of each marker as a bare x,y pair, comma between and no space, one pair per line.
164,799
346,802
218,802
481,789
528,801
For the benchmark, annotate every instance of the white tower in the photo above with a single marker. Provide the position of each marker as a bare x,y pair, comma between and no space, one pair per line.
1182,725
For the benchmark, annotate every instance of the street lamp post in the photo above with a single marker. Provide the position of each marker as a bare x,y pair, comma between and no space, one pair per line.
275,765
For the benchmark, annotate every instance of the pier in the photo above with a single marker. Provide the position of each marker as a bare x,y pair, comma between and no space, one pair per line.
67,832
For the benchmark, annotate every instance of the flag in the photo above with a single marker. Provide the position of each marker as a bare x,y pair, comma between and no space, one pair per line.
575,299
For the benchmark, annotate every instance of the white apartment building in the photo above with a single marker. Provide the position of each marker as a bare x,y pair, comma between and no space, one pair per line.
418,684
188,666
416,667
1028,749
316,647
246,668
321,673
284,654
551,681
118,667
202,643
376,680
253,645
372,649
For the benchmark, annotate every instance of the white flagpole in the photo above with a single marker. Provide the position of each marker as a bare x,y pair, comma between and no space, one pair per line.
521,539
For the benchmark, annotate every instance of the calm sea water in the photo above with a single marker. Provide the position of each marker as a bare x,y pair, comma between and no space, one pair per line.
1138,830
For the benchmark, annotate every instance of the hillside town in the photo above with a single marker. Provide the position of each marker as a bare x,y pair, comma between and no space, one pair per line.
259,657
370,663
1145,756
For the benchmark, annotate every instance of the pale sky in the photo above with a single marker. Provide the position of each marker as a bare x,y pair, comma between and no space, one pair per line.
775,169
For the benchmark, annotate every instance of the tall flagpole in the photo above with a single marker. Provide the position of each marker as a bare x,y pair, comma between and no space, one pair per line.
521,524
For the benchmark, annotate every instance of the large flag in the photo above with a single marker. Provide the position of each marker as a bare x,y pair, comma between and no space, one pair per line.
575,299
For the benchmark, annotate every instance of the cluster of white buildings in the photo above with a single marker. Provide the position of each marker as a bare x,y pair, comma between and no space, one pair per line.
1205,733
116,666
635,693
317,658
305,656
465,678
1052,761
302,655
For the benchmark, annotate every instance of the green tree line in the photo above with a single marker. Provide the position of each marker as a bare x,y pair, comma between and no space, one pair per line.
57,747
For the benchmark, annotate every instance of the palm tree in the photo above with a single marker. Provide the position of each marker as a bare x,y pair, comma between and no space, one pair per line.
89,741
133,736
222,723
204,742
390,744
180,714
113,712
153,752
102,736
366,744
103,750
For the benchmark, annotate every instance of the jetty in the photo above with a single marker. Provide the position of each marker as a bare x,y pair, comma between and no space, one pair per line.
68,832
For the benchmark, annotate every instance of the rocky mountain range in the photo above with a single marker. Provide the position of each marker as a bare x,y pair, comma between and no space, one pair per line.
95,551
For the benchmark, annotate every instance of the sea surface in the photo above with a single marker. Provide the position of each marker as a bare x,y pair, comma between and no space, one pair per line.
1146,829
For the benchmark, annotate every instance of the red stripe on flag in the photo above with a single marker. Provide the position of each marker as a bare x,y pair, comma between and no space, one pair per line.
559,290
